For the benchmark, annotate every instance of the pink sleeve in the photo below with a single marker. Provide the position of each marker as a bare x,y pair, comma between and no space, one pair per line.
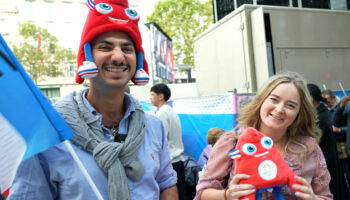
320,180
219,165
313,168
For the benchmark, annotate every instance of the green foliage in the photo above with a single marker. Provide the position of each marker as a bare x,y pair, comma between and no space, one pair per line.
183,20
48,62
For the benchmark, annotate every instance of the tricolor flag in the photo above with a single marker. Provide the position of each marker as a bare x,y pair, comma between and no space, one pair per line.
235,154
28,122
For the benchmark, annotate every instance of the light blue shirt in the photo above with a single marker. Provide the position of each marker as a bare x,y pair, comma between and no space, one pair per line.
53,174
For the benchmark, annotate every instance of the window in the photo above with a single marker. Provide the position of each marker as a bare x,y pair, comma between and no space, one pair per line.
241,2
274,2
51,92
316,4
224,7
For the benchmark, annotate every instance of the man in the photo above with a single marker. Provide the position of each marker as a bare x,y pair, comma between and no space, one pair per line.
332,101
328,142
342,118
340,132
123,149
160,95
340,129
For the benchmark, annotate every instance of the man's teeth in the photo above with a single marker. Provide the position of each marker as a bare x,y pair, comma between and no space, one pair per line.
114,70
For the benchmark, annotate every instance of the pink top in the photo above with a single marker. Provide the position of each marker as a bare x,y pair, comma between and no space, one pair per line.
312,167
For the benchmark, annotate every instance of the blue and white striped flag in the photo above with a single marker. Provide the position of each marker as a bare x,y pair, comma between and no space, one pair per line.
235,154
28,122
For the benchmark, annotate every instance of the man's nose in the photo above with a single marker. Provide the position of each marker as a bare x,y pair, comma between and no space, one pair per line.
117,54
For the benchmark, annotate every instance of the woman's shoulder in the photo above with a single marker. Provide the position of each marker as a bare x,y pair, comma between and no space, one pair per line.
302,143
228,138
226,143
308,140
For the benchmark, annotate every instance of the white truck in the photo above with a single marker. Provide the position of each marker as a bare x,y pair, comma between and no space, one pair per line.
254,42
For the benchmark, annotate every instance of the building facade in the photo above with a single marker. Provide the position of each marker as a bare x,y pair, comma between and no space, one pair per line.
223,7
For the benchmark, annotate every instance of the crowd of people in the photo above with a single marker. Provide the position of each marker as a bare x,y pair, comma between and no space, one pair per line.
130,154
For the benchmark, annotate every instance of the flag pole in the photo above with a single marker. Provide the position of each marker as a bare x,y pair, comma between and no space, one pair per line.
324,86
83,170
341,86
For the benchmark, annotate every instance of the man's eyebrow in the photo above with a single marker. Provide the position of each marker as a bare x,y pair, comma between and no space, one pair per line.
127,43
104,42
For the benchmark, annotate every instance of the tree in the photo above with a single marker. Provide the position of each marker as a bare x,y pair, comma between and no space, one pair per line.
182,20
39,52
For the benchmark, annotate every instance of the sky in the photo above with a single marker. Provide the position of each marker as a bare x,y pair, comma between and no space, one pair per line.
64,20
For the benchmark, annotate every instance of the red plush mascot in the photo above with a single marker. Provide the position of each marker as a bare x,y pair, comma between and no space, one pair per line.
256,155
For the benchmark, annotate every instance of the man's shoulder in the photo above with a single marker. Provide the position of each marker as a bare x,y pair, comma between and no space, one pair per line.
167,109
152,119
153,125
67,102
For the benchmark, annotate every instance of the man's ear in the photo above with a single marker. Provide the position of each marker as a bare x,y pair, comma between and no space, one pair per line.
161,96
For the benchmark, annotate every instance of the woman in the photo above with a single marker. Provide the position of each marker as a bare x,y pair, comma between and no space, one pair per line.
282,110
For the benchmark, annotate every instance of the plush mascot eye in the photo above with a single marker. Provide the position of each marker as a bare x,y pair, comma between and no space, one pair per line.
249,148
266,142
104,8
132,14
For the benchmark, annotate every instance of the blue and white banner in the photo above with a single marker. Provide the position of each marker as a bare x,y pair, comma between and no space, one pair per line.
28,122
198,115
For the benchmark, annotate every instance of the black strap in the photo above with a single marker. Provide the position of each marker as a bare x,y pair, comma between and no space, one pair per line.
120,137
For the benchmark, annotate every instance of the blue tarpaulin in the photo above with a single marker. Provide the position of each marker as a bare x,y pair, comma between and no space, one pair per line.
199,114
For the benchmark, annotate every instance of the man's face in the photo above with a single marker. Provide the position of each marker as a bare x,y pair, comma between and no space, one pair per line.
330,100
155,98
115,57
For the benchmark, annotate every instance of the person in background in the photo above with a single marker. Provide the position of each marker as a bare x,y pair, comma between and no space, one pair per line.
332,101
282,110
342,118
340,132
212,136
123,149
328,142
160,94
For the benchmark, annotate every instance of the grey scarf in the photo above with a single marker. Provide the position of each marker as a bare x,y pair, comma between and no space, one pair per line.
119,160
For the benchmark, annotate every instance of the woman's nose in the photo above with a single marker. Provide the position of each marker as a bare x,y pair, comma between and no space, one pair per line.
280,107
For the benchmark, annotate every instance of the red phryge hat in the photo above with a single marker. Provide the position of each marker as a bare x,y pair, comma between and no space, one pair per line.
107,16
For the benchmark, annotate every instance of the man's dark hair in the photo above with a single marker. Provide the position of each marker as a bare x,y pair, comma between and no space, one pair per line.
329,92
315,92
161,88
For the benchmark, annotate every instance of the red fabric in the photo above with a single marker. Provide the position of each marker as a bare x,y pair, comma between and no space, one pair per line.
98,23
263,158
6,193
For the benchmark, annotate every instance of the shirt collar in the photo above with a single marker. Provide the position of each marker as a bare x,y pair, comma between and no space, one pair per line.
123,124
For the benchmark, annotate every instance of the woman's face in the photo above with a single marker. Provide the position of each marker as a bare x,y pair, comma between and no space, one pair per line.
279,110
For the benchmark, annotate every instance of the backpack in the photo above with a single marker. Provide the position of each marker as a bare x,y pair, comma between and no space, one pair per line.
191,170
